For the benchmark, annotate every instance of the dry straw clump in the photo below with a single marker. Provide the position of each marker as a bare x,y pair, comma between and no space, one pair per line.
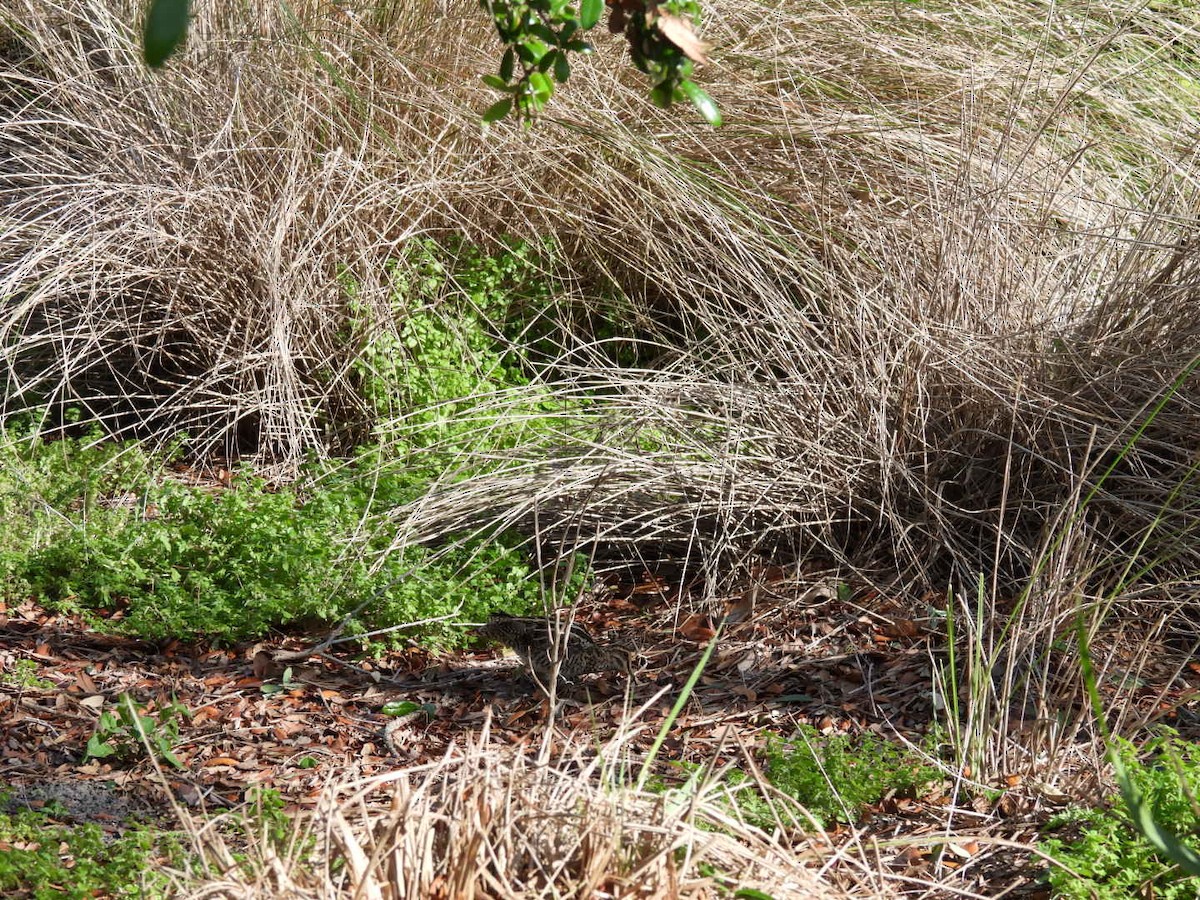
920,290
172,241
492,822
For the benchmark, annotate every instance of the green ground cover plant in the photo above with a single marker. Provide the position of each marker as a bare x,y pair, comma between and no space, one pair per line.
132,728
834,777
24,676
462,326
184,561
1106,856
837,776
41,860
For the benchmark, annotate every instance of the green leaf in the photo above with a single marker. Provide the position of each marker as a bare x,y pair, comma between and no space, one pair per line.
752,894
498,110
703,103
543,88
589,13
400,708
534,49
541,31
562,67
97,749
495,81
662,94
506,65
166,27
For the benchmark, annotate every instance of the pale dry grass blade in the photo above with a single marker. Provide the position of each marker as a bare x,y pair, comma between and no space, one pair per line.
491,821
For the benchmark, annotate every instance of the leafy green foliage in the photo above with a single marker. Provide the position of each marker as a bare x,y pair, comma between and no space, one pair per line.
285,683
46,861
24,676
125,734
663,46
265,815
96,527
232,564
187,562
37,476
445,346
834,777
1111,859
540,35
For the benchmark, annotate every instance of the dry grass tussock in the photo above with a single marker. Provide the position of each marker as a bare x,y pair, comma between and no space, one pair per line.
932,273
910,305
486,821
927,301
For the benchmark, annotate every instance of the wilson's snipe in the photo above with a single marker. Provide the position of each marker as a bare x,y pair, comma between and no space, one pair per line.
538,642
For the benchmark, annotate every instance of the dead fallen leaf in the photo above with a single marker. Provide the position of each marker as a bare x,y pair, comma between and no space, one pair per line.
679,32
898,628
697,628
264,665
83,681
204,713
741,608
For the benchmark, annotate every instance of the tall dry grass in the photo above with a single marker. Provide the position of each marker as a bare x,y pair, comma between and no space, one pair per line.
910,306
485,821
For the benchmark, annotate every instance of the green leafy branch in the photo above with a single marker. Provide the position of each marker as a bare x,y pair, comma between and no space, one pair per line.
539,35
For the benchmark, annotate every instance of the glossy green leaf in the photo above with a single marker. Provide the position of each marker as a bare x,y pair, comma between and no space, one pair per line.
166,27
704,104
169,756
589,12
562,67
543,87
534,49
506,65
400,708
495,81
543,33
497,111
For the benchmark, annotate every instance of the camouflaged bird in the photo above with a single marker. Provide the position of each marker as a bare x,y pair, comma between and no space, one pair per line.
538,641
